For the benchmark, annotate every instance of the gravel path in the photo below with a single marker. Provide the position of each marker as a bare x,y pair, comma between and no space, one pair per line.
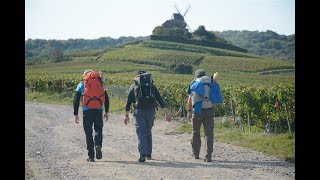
55,148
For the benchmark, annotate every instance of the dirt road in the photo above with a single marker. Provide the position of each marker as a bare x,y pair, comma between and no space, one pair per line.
55,148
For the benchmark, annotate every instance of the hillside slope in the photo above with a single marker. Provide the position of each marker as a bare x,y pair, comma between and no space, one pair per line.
269,43
169,58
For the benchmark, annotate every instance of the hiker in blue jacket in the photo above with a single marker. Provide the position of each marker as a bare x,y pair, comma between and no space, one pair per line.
200,111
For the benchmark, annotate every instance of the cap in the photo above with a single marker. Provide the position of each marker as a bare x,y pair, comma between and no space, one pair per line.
199,73
140,72
86,71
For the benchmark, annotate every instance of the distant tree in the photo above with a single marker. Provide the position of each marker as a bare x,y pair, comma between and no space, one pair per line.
276,44
266,43
55,55
202,32
40,48
28,54
188,34
159,30
181,68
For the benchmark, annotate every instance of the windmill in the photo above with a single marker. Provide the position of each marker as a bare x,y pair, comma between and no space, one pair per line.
177,20
180,16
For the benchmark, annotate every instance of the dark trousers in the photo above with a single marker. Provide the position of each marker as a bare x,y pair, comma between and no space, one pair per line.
144,120
206,117
93,118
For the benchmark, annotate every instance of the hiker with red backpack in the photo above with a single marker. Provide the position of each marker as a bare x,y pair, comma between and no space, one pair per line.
144,95
93,97
203,92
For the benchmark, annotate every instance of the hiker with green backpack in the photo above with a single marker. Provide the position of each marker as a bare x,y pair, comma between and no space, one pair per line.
144,95
203,92
93,96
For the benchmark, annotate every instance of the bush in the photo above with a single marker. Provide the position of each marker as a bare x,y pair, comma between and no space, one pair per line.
181,68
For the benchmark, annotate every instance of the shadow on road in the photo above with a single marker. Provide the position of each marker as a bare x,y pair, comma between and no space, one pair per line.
201,163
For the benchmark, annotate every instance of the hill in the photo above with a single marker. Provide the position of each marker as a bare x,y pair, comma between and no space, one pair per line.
172,58
200,36
252,82
267,43
41,48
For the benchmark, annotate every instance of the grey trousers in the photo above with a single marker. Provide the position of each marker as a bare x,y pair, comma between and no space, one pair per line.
206,117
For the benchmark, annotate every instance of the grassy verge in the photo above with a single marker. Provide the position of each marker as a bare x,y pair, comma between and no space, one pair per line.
279,145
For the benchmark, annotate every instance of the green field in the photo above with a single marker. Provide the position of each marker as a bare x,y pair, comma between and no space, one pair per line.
240,79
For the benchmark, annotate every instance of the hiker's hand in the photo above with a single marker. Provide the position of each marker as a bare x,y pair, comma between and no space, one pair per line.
106,116
189,115
168,117
215,75
76,119
126,120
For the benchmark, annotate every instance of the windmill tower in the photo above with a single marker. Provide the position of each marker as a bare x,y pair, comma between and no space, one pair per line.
177,20
180,16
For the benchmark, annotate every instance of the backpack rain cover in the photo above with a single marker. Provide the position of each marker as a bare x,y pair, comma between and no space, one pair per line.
93,95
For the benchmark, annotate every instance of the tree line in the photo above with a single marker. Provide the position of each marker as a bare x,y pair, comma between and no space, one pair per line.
269,44
54,49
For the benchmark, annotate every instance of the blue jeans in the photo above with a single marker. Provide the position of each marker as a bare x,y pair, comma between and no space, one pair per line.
144,120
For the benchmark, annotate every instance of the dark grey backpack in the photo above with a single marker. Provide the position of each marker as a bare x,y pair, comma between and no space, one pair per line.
144,90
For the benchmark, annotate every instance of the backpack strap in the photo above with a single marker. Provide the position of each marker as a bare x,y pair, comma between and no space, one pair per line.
94,98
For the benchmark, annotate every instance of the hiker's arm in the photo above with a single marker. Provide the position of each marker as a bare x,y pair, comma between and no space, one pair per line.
159,98
76,102
189,108
189,103
76,98
167,114
106,102
215,75
106,106
130,99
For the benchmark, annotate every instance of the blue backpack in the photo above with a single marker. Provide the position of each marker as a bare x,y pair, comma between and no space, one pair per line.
205,89
216,92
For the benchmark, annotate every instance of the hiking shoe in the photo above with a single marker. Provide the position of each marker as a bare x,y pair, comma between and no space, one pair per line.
142,158
149,157
90,159
98,152
195,156
207,159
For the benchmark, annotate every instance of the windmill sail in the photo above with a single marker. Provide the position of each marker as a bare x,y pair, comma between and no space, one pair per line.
178,20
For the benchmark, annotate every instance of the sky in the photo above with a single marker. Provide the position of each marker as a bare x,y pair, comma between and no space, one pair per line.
92,19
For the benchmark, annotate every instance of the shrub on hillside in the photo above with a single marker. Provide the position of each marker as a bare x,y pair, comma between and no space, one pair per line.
181,68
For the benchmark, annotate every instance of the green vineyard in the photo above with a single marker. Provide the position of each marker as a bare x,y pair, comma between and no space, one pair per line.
246,93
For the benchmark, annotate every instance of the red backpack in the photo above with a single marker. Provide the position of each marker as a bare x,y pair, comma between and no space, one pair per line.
93,94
